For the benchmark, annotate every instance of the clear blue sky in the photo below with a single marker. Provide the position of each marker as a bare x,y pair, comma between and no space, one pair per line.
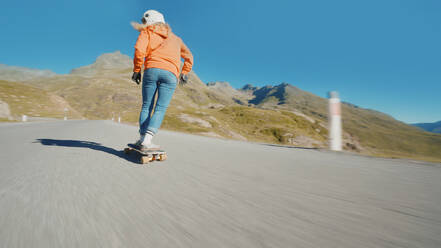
379,54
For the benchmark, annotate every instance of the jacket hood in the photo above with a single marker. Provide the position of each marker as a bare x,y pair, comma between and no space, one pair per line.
162,30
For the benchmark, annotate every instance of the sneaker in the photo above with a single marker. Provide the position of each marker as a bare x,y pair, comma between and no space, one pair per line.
149,147
147,143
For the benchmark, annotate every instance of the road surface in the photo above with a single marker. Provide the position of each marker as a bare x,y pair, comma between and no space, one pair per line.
68,184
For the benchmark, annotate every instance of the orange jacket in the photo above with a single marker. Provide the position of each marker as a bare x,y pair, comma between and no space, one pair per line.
158,47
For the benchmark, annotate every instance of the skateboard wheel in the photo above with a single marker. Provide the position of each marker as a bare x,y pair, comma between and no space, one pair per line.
162,157
126,150
144,160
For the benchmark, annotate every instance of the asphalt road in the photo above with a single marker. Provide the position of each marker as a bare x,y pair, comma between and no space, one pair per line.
68,184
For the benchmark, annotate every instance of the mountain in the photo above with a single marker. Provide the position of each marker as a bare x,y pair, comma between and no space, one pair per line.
224,88
365,130
107,62
16,73
280,114
434,127
286,96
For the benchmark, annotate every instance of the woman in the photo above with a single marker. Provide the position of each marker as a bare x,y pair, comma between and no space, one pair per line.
160,50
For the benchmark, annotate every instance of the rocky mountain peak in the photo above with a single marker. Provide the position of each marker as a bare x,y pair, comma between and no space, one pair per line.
219,84
248,87
113,60
106,61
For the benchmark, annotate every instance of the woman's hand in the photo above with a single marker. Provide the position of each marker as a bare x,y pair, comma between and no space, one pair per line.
136,77
183,78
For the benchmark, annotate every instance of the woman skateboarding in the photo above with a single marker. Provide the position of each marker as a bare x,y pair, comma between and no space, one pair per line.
160,50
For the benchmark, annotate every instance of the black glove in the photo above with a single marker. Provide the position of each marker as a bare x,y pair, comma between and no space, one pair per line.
183,78
136,77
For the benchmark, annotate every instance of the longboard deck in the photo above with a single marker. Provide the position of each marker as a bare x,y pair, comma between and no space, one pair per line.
146,156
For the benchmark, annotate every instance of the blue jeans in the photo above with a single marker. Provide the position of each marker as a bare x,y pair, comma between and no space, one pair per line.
163,82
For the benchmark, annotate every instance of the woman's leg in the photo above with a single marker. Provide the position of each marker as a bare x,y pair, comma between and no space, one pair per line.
149,88
166,88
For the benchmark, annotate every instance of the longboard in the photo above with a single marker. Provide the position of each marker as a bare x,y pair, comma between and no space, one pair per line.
146,156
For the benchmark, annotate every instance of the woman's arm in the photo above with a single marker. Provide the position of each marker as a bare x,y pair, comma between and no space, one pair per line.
140,50
188,59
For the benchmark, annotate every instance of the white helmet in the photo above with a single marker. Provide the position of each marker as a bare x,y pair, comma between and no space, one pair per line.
151,17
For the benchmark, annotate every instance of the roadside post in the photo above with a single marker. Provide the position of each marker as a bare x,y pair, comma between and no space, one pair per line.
334,118
24,118
65,113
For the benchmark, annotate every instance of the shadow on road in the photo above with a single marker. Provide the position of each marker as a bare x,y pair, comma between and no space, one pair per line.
85,144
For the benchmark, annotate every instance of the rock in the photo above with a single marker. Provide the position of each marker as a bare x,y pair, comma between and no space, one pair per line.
213,118
235,135
296,112
5,112
190,119
215,106
304,141
211,134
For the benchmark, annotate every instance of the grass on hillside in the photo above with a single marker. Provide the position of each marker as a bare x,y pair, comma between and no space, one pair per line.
7,120
259,125
26,100
384,136
103,98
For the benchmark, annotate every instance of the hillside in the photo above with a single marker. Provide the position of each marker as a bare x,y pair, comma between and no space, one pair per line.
196,108
17,99
365,130
281,114
434,127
